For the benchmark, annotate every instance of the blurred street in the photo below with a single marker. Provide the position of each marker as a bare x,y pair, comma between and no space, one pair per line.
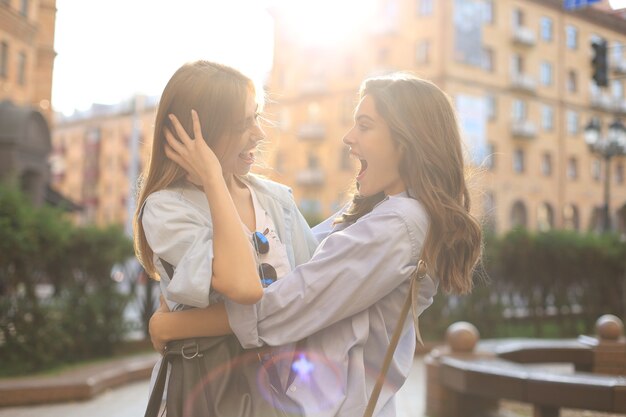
131,399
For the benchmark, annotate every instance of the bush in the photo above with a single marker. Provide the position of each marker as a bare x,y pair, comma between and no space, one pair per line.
83,317
551,284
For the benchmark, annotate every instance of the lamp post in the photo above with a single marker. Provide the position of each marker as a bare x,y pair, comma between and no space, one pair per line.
613,144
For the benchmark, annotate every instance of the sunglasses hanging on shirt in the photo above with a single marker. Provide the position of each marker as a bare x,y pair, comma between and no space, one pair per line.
267,272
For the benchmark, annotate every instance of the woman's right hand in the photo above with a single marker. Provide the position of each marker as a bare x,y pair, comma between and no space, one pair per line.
158,342
192,154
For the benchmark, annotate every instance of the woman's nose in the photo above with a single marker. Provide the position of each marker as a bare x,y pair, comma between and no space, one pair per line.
348,139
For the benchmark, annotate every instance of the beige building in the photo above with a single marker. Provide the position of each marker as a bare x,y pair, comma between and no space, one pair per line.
27,52
26,61
97,155
519,72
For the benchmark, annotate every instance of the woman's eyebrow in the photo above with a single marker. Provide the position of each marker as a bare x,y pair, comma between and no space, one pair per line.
365,116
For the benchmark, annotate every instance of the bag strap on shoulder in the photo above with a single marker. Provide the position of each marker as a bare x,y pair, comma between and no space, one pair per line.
411,300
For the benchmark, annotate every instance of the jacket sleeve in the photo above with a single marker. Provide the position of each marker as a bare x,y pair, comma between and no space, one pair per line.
351,270
179,234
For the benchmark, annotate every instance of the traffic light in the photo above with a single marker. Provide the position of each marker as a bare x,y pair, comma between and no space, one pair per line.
599,63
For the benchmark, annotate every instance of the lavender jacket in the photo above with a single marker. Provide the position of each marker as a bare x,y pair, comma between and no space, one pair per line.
345,302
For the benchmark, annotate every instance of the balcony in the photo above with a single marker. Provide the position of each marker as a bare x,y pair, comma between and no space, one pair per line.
310,177
523,82
523,129
312,131
619,105
602,101
618,66
314,86
524,36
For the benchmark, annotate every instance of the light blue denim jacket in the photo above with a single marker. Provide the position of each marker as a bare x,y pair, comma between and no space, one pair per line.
346,302
179,229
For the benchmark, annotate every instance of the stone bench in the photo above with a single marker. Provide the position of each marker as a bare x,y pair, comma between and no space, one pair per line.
468,379
497,378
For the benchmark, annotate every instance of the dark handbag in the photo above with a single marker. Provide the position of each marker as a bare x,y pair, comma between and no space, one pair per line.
216,377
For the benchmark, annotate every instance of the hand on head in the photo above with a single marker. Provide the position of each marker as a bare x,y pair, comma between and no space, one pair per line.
192,153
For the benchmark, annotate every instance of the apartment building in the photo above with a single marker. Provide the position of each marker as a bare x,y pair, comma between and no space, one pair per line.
519,74
97,157
26,61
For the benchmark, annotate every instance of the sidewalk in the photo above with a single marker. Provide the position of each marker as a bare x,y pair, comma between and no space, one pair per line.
80,383
88,391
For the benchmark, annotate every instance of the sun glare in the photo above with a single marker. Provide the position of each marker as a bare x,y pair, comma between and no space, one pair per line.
325,22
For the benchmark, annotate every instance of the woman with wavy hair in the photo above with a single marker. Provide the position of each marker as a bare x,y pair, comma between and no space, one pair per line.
412,204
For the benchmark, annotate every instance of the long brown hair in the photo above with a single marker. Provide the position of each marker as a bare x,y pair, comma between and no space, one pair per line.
423,125
218,94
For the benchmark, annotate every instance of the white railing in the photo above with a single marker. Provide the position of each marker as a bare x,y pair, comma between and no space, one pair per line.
523,129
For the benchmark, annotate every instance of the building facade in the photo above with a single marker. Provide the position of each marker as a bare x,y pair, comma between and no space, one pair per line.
97,155
26,62
519,74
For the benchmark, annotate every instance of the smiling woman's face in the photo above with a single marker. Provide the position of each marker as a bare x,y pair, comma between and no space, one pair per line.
237,154
370,141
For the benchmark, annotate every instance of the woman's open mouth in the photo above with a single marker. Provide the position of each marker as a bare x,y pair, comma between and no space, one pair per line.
363,169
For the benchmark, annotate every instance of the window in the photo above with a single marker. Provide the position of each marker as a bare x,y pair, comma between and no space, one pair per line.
617,51
488,59
617,89
546,29
490,160
572,168
313,161
572,122
4,58
571,37
596,169
517,64
21,68
570,217
571,81
519,110
488,15
345,163
518,18
489,217
547,117
619,173
545,217
518,161
347,109
546,164
546,73
424,7
422,52
518,215
491,106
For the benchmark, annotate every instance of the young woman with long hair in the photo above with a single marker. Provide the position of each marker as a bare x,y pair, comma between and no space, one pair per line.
206,237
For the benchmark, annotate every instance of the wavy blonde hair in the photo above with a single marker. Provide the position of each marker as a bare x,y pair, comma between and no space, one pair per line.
218,94
423,125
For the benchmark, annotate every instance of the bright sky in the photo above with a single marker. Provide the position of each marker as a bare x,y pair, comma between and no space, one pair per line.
109,50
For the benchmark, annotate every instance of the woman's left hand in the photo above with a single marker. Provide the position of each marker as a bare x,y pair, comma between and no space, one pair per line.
192,154
158,342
